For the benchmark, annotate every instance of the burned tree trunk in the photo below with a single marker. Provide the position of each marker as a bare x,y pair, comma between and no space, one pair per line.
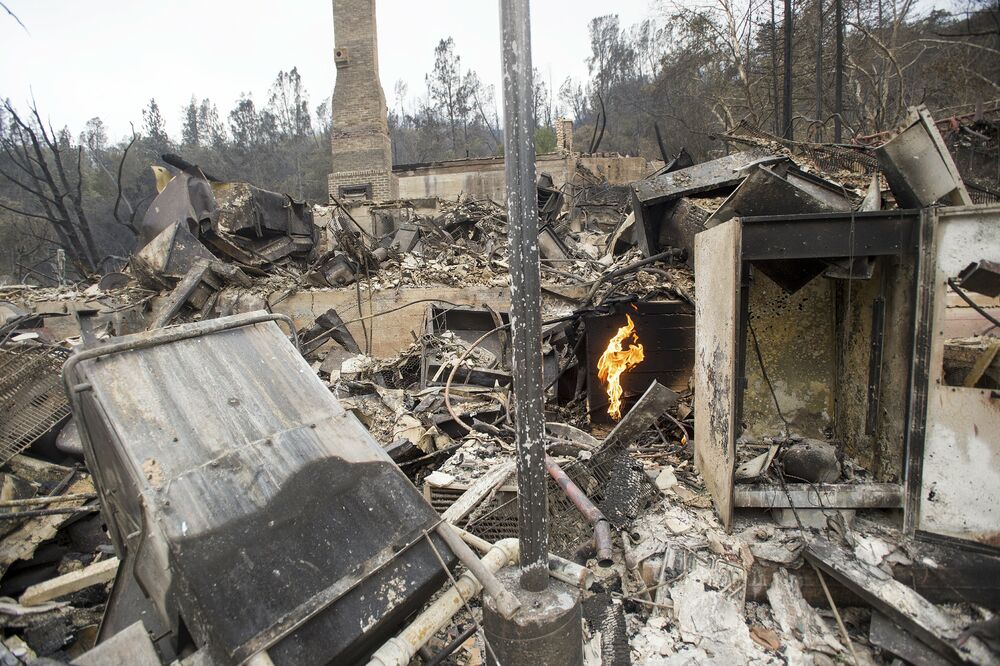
838,74
42,174
787,111
774,70
819,69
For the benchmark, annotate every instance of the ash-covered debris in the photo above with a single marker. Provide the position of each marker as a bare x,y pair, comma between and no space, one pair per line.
754,503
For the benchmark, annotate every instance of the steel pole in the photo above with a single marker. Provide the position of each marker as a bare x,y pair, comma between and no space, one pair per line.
525,292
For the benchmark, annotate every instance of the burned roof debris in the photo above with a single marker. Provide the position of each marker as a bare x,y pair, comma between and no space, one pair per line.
297,423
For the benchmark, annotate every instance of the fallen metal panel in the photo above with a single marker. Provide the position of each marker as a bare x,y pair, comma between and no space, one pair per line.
131,646
651,406
960,479
723,172
821,496
268,513
779,190
717,273
918,165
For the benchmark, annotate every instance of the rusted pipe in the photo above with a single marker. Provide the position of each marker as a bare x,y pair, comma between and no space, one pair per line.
602,528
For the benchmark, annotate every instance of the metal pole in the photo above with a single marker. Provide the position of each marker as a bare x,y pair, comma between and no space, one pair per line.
525,293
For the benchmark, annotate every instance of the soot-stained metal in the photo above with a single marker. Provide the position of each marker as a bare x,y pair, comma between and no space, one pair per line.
525,291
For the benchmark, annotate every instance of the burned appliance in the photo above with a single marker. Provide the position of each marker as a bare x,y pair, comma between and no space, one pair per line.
467,325
666,331
828,361
478,340
253,511
664,212
237,221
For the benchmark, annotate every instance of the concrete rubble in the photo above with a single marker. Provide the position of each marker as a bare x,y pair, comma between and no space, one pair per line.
743,509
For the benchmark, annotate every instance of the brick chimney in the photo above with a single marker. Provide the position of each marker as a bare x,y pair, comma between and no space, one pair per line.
564,135
362,153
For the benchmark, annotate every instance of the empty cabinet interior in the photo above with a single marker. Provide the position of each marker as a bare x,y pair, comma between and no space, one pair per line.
818,351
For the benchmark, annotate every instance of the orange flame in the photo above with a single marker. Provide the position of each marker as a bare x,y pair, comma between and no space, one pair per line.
615,361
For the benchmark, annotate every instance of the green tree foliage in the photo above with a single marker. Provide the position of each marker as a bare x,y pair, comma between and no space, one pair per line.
154,127
190,133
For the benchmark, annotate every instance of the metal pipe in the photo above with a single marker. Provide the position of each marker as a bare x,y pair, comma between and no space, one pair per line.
399,650
559,568
507,604
525,291
602,528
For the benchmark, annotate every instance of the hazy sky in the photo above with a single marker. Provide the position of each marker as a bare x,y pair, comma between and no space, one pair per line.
107,58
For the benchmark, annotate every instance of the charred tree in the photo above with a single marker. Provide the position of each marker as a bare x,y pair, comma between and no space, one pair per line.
819,69
787,97
838,72
48,170
774,70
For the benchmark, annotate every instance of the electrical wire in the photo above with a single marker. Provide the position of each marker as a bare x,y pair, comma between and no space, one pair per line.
379,314
767,379
965,297
465,354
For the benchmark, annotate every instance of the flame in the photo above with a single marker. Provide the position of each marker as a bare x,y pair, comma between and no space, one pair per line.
615,361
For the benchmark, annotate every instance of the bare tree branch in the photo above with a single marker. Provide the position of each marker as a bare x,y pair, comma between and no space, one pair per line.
14,16
118,183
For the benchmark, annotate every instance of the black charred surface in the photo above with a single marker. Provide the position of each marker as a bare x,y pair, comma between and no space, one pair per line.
324,524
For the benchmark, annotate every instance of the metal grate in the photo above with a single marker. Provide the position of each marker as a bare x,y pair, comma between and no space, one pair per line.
32,400
611,479
827,156
982,195
492,520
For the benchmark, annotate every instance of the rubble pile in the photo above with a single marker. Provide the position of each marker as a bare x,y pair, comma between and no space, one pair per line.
737,510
